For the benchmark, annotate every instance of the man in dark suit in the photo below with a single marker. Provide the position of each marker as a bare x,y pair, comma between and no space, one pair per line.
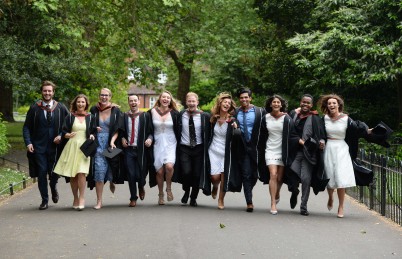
42,135
136,130
194,129
252,162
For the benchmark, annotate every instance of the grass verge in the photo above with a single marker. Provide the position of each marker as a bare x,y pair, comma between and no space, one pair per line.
8,176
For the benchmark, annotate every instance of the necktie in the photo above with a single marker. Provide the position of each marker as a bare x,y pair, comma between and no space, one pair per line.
133,117
48,115
193,138
245,126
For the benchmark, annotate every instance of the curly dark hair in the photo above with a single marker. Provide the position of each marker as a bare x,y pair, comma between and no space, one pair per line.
268,103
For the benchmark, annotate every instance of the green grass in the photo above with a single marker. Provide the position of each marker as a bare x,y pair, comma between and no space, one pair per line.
14,135
8,176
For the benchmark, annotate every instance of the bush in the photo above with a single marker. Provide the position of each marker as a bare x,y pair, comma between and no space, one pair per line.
3,139
23,109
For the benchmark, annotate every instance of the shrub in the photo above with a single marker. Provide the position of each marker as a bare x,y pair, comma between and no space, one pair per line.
23,109
3,139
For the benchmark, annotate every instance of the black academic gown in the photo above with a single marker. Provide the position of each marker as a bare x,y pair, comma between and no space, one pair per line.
232,174
142,150
257,155
205,133
38,136
313,155
151,167
116,163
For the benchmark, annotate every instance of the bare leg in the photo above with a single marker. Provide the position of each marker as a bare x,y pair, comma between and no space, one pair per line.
280,173
169,174
81,179
273,185
74,189
160,177
99,192
221,204
341,196
330,198
215,179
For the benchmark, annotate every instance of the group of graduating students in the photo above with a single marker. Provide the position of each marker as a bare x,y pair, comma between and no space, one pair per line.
226,150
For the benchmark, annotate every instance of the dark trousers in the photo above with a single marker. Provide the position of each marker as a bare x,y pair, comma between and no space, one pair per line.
248,178
191,163
45,163
303,169
133,171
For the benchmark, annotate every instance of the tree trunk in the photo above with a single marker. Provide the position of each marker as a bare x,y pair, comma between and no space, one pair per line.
184,67
399,89
6,102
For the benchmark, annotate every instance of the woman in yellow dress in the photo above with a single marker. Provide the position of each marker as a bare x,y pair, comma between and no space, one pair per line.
78,126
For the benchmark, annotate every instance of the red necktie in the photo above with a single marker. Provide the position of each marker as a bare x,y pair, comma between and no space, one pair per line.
133,117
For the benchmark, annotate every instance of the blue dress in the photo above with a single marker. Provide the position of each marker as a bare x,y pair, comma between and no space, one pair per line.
102,171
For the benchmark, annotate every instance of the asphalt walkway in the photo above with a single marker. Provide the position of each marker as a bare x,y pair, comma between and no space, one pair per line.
178,231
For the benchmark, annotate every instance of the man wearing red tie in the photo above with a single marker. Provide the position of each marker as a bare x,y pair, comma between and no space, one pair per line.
135,133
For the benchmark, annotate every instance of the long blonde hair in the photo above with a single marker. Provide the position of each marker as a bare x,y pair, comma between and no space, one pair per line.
215,111
172,104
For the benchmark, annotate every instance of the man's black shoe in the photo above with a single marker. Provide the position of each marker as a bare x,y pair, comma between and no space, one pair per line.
186,195
293,199
43,206
304,213
55,195
193,203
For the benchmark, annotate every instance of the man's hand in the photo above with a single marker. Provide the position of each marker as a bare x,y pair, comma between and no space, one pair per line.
30,148
148,142
57,140
124,142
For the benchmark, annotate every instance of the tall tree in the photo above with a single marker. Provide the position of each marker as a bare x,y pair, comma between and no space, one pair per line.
356,43
189,32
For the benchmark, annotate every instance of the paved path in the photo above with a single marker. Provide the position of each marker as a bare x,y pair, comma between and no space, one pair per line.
177,231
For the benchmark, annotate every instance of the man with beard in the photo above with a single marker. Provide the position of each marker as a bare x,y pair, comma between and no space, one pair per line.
194,127
307,125
42,133
252,162
135,140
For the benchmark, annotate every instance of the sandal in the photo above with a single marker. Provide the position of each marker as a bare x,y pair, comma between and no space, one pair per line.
169,194
161,201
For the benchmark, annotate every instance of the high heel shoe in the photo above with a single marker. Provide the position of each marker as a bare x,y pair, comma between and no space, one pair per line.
330,204
221,204
161,201
112,187
169,194
273,212
81,208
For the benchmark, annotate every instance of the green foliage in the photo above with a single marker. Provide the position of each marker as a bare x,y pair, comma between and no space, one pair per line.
8,176
4,146
23,109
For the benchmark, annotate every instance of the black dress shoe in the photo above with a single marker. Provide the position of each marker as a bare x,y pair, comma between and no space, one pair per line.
186,195
55,195
250,207
293,199
43,206
304,213
193,203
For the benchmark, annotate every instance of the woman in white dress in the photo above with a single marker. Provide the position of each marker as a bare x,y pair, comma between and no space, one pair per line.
164,119
221,126
78,126
279,128
337,160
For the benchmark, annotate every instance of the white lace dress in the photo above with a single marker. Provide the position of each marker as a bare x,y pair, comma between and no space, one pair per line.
164,140
337,162
273,150
216,150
